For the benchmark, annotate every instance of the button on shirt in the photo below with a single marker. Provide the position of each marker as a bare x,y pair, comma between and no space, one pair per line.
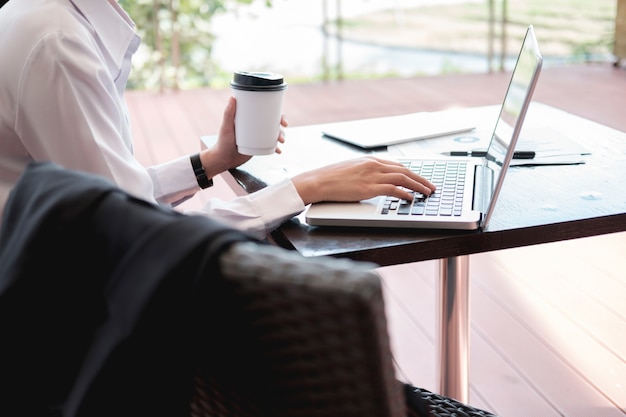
64,71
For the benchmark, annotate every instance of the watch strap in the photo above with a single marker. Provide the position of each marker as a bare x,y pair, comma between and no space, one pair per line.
200,173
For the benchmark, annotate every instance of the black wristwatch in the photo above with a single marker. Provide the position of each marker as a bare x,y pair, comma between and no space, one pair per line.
198,170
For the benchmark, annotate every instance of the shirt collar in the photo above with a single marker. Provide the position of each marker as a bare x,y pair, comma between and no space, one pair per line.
112,24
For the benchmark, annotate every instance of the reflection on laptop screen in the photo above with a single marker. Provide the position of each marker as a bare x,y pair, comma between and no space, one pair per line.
513,108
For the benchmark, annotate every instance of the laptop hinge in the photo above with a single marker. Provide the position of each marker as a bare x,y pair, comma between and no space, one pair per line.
483,187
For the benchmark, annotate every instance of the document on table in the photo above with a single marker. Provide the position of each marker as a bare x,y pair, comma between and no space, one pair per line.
549,146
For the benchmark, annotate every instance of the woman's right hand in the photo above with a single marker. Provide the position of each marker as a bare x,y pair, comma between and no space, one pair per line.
360,179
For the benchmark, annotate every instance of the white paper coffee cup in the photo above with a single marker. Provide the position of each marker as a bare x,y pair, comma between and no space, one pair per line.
259,98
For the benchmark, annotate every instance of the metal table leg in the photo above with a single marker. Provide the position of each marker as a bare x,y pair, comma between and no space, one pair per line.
454,327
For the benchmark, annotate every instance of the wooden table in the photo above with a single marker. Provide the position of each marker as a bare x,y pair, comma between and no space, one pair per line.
538,204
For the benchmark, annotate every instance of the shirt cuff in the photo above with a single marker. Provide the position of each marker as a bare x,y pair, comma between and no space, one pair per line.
174,181
277,203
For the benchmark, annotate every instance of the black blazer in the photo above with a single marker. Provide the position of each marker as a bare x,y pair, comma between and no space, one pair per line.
101,295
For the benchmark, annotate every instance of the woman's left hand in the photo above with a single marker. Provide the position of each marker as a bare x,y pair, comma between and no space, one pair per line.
224,155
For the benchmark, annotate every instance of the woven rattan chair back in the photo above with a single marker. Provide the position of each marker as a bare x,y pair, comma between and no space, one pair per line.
299,337
309,336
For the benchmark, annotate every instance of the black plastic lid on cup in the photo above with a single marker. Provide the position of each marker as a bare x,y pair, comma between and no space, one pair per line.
258,81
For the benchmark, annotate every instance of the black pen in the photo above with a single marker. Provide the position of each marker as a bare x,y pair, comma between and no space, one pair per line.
516,154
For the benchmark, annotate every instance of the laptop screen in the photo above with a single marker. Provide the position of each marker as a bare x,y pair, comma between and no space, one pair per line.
514,106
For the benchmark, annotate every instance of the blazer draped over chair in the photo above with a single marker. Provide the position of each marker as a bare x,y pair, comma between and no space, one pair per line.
99,294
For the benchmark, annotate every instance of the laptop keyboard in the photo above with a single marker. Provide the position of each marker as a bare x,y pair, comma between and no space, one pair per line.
447,200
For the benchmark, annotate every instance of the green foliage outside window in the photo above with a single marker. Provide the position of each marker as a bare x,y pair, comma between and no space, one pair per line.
176,42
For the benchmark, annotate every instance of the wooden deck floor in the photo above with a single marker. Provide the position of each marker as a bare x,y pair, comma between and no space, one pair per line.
548,331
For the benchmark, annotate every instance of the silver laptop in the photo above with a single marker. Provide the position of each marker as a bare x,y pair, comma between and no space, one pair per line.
467,187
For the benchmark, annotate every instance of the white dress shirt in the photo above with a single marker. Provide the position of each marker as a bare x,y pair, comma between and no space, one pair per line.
65,65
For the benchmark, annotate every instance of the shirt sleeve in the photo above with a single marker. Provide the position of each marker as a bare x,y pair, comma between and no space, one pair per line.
69,111
258,213
174,181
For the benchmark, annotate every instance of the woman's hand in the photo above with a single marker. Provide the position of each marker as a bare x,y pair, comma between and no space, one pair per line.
224,155
359,179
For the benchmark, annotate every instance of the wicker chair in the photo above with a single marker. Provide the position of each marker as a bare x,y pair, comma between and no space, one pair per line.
293,336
